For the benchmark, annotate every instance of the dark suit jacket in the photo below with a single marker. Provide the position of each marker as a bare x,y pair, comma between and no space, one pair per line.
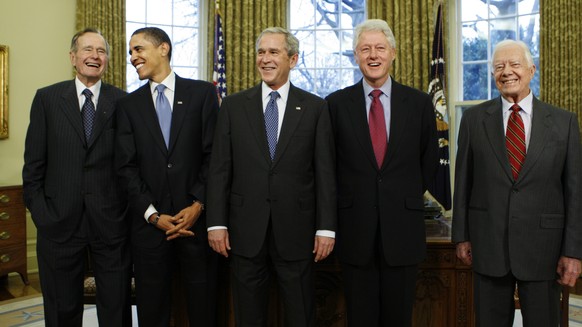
296,191
63,176
170,179
386,201
528,224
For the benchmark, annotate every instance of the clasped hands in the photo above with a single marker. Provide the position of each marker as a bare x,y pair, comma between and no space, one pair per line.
180,224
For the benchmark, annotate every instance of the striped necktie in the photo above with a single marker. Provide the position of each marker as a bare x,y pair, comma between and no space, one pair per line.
515,141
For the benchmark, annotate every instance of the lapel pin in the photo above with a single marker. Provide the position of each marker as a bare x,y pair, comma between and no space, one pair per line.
297,108
179,102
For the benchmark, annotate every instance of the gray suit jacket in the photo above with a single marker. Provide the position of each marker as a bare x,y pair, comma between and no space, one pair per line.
526,225
295,193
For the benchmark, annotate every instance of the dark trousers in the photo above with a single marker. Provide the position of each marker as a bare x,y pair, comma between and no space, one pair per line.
251,281
495,305
61,272
154,272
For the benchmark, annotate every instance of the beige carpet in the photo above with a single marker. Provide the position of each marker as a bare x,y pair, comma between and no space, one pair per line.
28,312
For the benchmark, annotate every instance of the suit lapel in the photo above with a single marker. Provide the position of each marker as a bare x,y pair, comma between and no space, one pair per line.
147,111
540,128
72,111
493,126
254,112
399,115
181,92
293,114
357,112
103,112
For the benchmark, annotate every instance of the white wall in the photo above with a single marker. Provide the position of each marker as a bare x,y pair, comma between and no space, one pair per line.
38,35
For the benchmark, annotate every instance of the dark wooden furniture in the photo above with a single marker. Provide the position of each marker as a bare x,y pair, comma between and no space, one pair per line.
12,232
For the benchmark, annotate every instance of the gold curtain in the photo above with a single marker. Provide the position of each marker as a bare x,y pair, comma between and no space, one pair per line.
109,17
412,22
242,21
560,54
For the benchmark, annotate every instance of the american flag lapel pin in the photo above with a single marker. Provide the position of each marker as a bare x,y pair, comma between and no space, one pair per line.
297,108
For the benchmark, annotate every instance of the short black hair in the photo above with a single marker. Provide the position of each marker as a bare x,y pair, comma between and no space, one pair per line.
157,36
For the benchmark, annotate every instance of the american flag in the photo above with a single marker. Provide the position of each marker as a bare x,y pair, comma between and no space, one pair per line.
219,73
441,186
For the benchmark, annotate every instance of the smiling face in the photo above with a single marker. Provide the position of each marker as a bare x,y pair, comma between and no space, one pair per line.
374,55
90,58
150,61
512,72
273,61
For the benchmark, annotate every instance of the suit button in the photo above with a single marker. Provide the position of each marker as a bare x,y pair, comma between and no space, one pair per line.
170,165
380,180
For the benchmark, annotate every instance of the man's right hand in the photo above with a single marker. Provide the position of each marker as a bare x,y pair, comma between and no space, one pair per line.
464,252
219,242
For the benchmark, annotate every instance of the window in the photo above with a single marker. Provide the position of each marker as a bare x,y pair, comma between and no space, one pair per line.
325,32
483,24
181,20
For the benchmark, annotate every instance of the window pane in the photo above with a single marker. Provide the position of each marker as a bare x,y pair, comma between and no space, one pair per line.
328,80
303,78
502,8
532,6
351,76
185,45
186,13
135,10
159,12
306,49
186,72
473,10
529,32
475,41
475,81
502,29
302,14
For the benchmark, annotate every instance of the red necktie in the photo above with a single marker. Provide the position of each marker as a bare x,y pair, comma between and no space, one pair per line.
515,141
377,124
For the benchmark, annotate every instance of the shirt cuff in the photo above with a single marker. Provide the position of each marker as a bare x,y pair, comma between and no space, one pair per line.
215,228
151,210
325,233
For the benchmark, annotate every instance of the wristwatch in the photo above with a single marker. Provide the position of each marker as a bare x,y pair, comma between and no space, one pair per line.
156,219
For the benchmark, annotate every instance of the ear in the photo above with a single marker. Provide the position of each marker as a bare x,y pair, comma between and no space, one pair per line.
72,58
293,60
165,47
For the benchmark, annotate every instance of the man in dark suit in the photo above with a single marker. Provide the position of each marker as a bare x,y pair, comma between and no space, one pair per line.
516,219
164,139
386,146
271,188
71,190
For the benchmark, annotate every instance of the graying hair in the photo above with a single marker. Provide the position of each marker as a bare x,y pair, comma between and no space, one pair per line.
83,32
520,44
377,25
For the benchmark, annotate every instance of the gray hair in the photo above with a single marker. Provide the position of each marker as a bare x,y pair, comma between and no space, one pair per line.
83,32
291,42
377,25
520,44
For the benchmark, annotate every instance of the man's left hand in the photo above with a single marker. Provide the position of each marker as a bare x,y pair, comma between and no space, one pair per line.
186,218
569,270
323,247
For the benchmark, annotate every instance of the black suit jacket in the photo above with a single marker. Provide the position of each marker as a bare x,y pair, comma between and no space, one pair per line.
296,191
526,225
386,201
64,177
170,179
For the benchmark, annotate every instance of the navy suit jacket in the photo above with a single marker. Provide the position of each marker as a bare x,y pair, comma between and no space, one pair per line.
388,201
170,179
64,177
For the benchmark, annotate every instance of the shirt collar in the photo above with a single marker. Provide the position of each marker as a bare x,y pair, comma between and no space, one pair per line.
386,88
80,87
169,82
526,104
283,91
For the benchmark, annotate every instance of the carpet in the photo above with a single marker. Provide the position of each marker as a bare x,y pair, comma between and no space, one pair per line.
28,312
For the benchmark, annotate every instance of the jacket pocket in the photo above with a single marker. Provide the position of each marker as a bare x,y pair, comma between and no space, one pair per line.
552,221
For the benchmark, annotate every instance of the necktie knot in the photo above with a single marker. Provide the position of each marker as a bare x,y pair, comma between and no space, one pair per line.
160,88
515,108
274,95
88,94
376,94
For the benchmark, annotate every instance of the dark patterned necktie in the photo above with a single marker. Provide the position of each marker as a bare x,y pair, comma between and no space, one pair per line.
164,112
272,123
515,141
88,113
377,124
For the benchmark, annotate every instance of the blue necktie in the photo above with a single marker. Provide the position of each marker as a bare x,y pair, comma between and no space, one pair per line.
272,123
164,112
88,112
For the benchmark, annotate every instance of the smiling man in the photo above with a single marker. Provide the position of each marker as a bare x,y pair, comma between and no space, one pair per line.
164,140
386,145
271,187
71,190
518,185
